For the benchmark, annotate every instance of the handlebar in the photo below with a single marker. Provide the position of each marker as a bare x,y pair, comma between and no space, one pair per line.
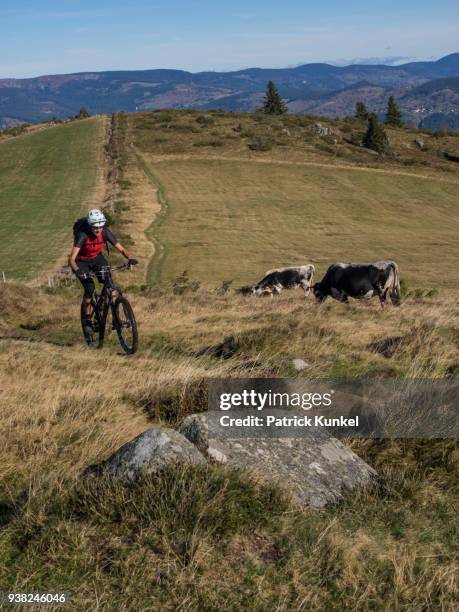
104,269
126,266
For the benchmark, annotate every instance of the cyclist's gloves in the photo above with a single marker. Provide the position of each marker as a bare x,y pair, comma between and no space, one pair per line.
132,262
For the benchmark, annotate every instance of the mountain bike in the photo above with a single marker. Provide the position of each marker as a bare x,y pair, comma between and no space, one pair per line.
109,304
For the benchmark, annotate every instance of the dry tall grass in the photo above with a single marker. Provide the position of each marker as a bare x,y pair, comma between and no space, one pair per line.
64,406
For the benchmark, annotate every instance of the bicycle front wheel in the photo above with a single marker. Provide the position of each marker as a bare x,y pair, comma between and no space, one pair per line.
125,325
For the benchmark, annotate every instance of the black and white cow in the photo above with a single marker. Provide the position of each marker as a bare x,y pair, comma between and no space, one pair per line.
275,281
360,281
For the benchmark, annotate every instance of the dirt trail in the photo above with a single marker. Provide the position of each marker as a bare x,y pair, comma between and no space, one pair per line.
143,206
139,198
159,249
178,156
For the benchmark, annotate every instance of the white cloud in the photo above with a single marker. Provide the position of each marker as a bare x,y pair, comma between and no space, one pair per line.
391,60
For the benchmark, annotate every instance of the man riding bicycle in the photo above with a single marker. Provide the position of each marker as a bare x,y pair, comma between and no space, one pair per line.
90,238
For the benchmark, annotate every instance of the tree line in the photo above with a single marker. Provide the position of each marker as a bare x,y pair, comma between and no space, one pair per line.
375,137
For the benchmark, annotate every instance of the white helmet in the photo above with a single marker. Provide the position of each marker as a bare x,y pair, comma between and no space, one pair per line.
96,218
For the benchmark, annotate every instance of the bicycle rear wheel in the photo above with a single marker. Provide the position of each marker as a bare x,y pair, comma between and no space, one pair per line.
125,325
93,326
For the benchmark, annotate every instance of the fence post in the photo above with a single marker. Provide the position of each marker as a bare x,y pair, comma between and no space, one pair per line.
4,277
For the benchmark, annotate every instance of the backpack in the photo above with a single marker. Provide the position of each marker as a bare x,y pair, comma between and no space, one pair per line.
79,225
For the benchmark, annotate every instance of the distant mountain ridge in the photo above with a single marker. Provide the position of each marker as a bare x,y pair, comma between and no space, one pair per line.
317,88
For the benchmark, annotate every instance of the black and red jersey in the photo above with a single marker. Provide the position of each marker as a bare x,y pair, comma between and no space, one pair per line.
91,245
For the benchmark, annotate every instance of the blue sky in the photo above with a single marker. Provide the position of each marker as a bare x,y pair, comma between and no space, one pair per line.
50,37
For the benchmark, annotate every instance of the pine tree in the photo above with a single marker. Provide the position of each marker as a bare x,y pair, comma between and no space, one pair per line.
361,111
375,137
83,113
273,104
393,114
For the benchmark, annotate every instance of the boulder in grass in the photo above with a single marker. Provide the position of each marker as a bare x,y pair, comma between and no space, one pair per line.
300,364
149,452
316,469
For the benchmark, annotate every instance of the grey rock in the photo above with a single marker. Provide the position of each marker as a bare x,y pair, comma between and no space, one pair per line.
326,130
419,143
149,452
320,129
316,469
300,364
195,428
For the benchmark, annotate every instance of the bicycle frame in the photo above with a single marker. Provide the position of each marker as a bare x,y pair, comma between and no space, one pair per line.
105,272
111,299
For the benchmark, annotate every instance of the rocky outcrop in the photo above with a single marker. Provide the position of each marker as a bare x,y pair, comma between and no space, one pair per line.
325,130
316,468
149,452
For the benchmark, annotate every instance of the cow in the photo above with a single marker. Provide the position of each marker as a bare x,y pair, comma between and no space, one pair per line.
360,281
275,281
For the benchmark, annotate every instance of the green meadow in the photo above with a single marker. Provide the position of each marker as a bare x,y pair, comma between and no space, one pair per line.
233,220
46,180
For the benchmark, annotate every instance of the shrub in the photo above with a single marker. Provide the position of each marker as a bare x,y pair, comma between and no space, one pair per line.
346,128
299,121
259,117
224,287
83,113
325,148
163,116
261,144
208,143
205,120
182,284
183,127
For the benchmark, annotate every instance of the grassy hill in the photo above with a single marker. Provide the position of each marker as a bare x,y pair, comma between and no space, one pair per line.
214,538
47,178
233,211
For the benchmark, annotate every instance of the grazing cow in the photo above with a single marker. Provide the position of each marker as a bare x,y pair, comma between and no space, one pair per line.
275,281
344,280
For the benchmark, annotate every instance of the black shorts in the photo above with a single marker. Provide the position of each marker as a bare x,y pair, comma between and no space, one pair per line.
93,265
